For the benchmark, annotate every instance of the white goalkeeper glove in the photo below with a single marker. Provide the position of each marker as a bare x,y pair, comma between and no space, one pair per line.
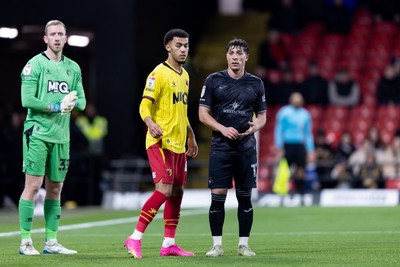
68,103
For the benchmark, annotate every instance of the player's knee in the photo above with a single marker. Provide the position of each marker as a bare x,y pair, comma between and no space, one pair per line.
246,193
177,191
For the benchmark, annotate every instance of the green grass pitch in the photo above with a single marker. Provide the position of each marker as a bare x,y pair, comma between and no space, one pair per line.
303,236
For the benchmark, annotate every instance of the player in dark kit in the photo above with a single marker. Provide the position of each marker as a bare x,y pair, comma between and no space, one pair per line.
232,104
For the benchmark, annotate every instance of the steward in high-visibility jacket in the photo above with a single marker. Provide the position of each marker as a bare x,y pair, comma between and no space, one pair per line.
94,127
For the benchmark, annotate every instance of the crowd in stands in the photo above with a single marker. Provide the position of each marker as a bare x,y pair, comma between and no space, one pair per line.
345,61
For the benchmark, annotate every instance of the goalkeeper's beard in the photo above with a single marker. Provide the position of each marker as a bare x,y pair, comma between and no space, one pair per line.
182,61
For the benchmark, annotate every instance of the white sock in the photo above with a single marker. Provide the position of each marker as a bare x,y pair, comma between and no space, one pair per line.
217,240
24,241
243,240
137,235
168,241
51,241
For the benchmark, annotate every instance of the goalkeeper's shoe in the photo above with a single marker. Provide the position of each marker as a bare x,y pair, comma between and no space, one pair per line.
175,250
215,251
244,250
134,247
27,248
53,247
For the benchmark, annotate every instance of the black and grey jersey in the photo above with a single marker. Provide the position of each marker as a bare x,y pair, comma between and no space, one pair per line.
233,103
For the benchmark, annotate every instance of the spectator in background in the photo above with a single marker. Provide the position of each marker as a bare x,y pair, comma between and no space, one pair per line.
345,147
271,54
359,157
388,87
370,175
315,87
338,18
374,137
323,155
391,159
294,139
311,11
343,90
95,128
340,176
285,88
285,17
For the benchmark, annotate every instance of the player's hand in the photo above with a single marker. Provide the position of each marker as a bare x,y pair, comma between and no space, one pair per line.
193,148
68,103
252,129
230,133
154,129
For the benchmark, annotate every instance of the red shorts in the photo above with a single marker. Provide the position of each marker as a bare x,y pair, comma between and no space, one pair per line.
167,166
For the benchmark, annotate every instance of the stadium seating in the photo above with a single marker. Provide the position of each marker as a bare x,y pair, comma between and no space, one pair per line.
365,51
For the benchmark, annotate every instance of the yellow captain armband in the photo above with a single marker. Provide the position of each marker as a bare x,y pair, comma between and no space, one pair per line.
145,107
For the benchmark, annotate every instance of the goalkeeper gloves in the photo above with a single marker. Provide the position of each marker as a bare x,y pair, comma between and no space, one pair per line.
68,103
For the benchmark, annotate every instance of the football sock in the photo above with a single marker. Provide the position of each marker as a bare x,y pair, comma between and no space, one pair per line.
149,210
52,215
245,211
172,211
216,214
137,235
25,211
243,240
168,242
217,240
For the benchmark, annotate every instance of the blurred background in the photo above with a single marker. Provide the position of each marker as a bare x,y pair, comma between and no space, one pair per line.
316,47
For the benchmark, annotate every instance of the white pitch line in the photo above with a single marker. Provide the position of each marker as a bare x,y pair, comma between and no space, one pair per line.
196,212
99,223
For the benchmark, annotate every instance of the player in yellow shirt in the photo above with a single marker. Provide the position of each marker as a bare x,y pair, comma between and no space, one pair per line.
164,110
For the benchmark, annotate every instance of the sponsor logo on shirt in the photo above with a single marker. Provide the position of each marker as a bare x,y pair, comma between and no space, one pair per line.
150,82
178,97
203,91
234,106
27,69
57,87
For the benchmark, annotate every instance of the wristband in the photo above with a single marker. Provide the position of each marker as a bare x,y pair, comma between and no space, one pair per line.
54,108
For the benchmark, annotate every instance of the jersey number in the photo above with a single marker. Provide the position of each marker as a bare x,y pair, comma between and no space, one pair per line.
64,163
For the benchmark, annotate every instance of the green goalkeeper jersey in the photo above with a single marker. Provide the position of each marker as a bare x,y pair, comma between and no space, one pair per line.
45,82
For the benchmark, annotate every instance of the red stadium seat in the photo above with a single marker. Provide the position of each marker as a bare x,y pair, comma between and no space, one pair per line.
388,111
363,112
335,112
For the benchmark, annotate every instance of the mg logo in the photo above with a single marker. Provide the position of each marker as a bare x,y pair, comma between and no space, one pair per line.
57,86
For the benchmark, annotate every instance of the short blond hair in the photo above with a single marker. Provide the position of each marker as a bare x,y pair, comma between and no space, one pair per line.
52,23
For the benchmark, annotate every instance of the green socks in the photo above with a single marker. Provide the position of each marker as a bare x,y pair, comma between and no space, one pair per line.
25,210
52,215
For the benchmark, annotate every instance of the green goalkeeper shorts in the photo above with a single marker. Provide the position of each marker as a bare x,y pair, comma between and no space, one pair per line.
41,158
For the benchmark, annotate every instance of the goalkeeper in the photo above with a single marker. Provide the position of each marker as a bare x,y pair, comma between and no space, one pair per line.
51,88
